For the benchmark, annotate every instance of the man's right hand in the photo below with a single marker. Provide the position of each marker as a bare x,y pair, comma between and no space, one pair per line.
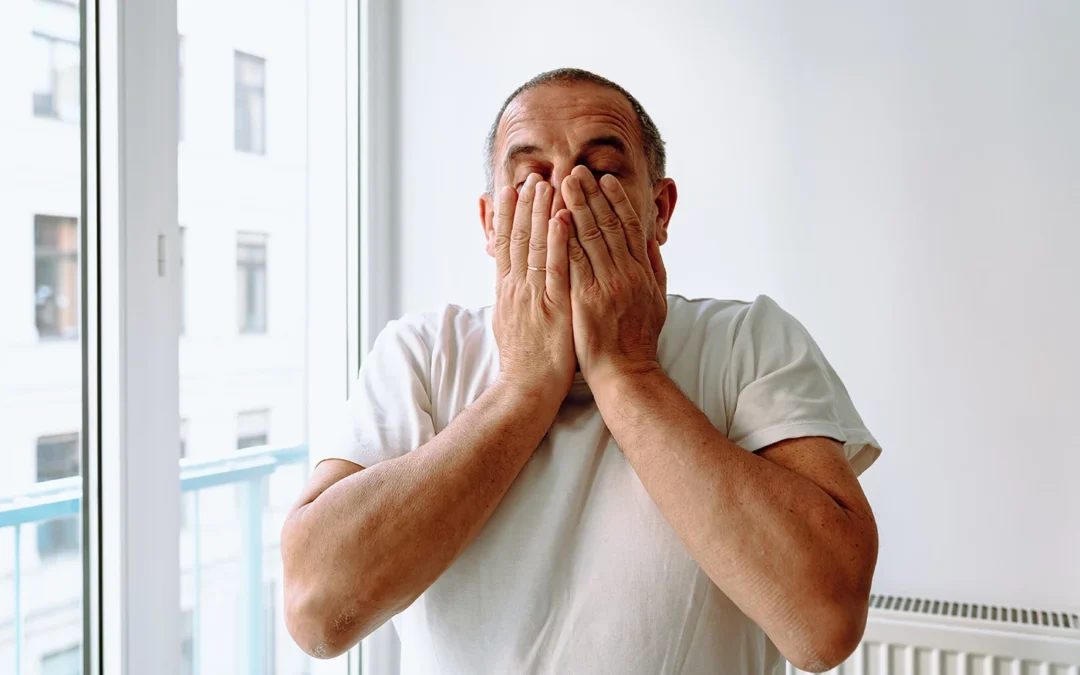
532,320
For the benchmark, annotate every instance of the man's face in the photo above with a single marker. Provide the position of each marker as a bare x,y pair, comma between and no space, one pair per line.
553,128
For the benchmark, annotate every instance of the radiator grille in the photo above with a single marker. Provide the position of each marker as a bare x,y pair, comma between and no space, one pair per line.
965,610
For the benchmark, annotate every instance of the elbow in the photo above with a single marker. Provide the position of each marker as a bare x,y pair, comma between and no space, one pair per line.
315,615
324,618
314,627
830,633
829,644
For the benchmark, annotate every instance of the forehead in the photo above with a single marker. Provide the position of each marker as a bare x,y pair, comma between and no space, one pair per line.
567,113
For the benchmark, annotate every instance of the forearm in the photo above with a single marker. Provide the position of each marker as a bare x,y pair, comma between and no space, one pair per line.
371,543
788,553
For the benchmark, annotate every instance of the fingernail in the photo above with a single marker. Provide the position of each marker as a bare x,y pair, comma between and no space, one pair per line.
541,188
607,181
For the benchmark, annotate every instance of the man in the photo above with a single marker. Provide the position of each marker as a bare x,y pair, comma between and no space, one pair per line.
592,476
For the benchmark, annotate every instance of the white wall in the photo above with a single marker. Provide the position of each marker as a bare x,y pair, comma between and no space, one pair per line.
904,177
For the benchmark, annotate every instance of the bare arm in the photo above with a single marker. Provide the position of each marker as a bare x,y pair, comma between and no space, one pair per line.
362,545
788,534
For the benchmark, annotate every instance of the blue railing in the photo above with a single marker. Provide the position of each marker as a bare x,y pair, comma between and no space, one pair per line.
58,498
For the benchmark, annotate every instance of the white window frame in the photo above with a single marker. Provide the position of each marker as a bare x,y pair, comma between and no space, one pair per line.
131,298
134,344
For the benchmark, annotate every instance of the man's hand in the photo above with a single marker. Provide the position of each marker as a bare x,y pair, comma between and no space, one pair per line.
532,319
617,279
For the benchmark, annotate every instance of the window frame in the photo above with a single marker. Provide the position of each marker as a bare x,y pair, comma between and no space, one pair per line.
130,296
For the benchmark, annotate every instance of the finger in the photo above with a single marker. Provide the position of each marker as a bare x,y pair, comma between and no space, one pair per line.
658,268
588,232
557,263
504,220
606,219
522,228
581,271
538,241
631,224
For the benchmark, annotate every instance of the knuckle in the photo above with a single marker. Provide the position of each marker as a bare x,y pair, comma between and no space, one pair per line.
537,246
590,234
575,253
502,239
609,221
519,235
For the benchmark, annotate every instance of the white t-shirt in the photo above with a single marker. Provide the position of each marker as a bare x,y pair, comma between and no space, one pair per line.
578,571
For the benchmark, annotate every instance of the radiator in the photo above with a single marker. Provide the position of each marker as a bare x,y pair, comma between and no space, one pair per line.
914,636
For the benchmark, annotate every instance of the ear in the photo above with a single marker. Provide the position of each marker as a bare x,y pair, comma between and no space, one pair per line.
487,221
665,195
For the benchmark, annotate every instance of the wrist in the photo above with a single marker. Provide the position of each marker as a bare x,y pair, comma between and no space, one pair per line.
529,394
613,375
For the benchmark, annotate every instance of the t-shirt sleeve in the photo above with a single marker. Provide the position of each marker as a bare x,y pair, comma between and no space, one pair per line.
783,387
389,411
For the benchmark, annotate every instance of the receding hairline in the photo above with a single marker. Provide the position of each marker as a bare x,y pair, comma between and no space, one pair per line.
652,144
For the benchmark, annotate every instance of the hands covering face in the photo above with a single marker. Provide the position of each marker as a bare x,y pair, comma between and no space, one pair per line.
584,289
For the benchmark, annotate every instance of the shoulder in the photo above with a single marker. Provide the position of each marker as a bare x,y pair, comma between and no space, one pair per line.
446,328
725,316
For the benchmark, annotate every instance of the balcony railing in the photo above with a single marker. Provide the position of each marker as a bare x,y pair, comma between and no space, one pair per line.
248,468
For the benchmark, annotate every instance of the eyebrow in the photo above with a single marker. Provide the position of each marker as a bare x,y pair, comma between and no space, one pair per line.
519,150
613,142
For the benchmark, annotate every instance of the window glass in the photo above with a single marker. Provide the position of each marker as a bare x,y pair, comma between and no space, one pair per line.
250,103
251,282
41,364
56,276
243,347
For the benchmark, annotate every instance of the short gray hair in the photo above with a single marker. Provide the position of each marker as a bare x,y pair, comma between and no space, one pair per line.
652,143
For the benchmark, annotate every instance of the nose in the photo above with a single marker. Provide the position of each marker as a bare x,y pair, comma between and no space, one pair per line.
557,175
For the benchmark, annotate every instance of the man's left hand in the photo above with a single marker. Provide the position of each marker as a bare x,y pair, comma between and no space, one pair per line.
618,282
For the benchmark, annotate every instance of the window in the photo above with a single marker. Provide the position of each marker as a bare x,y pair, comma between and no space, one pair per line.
187,642
252,429
56,276
183,438
251,282
58,457
250,103
56,85
65,662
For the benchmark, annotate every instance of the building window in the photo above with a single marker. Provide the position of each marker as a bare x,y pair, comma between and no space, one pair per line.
56,276
187,642
250,103
56,82
252,429
65,662
251,282
58,457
